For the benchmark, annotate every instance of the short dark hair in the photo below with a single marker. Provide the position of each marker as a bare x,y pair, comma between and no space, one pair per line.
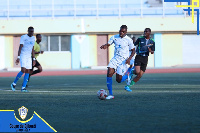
148,29
123,27
38,35
30,27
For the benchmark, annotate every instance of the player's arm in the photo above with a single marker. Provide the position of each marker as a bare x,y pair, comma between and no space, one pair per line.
132,49
19,52
137,42
110,42
38,52
105,46
33,56
131,56
152,48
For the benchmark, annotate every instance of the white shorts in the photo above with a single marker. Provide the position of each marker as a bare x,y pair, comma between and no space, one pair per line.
119,64
26,62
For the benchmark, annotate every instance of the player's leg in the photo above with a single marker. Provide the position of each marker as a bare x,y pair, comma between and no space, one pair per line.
137,65
110,73
143,67
26,76
139,75
31,71
39,68
122,72
137,70
17,78
131,70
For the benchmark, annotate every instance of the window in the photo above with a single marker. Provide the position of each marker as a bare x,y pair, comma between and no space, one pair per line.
56,43
65,43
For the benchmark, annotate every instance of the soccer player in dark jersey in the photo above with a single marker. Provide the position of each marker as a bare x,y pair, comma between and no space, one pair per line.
37,52
145,45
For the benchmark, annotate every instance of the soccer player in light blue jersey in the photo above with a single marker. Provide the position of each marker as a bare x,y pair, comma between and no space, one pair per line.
117,64
26,47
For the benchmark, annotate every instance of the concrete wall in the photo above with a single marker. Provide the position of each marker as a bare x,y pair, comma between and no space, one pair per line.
88,34
98,25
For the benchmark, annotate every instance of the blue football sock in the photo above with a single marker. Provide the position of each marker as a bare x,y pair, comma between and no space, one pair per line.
26,76
18,77
109,85
129,69
124,77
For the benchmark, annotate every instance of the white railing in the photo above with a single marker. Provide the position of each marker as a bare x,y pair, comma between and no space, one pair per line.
90,10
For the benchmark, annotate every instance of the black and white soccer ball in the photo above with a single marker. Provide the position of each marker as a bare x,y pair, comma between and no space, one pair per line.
102,94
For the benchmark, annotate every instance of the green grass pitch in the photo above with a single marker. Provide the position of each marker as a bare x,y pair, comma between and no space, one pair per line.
158,103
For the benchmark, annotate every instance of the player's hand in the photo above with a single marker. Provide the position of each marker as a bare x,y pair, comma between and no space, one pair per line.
17,61
104,46
128,61
34,62
42,52
149,49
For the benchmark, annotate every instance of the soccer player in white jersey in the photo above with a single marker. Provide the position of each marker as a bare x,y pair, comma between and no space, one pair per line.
26,47
121,57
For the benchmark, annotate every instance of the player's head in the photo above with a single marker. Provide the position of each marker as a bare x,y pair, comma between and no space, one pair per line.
30,31
38,37
147,32
123,31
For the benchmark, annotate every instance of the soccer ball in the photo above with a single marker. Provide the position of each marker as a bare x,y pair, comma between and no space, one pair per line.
102,94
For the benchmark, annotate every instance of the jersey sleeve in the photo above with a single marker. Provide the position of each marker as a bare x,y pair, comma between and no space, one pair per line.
131,45
111,41
153,46
22,40
35,47
137,42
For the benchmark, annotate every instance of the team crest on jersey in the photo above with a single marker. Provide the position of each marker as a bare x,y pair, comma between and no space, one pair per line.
23,112
31,42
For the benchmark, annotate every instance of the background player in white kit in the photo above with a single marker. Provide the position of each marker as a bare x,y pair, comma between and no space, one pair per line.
121,57
26,47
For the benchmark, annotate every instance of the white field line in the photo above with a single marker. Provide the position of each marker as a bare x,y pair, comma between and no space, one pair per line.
136,91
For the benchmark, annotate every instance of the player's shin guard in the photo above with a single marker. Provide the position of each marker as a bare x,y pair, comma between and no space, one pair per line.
109,85
25,80
18,77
